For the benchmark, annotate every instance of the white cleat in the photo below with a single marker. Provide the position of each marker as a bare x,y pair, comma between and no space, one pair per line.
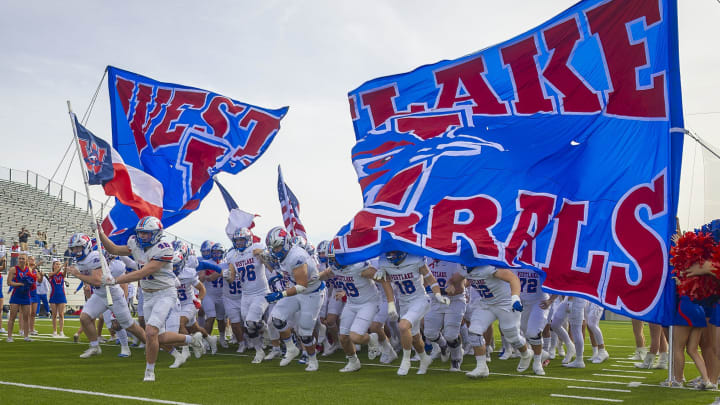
330,349
569,355
149,376
425,362
373,347
213,342
241,347
125,351
404,367
9,340
601,356
92,351
662,361
259,356
538,368
525,358
506,354
275,352
648,362
639,354
312,364
179,359
444,357
352,365
480,371
388,357
578,363
290,353
197,344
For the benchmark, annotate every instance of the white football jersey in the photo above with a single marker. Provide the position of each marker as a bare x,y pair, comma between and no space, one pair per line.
530,285
295,258
90,263
358,289
443,270
161,251
405,278
490,290
250,270
188,279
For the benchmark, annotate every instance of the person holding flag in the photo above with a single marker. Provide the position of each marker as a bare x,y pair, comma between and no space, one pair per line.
158,283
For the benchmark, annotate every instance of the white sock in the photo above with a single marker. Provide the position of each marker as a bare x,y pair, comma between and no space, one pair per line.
188,339
407,354
94,343
150,367
123,337
480,360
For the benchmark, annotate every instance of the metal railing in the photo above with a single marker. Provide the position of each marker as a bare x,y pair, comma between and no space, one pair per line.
65,194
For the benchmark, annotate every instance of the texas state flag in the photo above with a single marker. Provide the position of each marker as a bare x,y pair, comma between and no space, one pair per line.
134,188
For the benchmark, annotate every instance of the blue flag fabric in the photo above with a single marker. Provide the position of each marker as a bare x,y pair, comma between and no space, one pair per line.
97,155
182,136
229,201
556,150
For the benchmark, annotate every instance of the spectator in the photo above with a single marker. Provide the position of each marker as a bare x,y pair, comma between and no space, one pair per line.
58,300
15,252
2,268
42,293
67,257
19,278
41,240
3,252
23,236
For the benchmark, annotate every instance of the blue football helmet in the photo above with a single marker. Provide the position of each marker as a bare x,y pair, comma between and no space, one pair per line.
217,252
322,251
242,239
395,257
205,249
80,240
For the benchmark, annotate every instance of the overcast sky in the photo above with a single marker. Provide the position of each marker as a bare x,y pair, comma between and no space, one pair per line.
306,55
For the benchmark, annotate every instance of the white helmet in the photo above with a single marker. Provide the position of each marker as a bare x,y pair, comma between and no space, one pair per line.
150,225
80,239
278,242
322,251
242,234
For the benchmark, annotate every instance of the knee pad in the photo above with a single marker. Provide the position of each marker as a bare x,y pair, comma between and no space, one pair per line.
476,340
279,324
535,340
513,337
307,340
254,328
433,336
453,343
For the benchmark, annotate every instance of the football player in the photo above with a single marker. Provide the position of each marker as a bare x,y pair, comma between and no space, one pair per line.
410,275
88,269
303,299
213,304
446,318
158,283
498,298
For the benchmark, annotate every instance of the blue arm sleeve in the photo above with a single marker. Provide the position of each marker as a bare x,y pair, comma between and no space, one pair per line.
208,265
80,286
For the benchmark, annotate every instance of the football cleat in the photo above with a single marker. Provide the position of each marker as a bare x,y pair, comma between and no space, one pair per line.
179,359
648,362
149,376
197,344
212,341
662,361
601,356
639,354
312,364
388,356
578,363
241,346
352,365
290,353
525,358
480,371
330,349
569,355
455,365
404,367
425,362
373,346
259,356
124,352
275,352
538,367
92,351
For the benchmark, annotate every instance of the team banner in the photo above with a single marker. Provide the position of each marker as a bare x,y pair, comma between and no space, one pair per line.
558,150
182,136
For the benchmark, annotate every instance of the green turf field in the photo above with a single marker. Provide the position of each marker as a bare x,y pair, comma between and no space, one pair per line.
229,378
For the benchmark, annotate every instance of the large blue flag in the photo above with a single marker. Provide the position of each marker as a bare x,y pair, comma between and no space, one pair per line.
182,136
556,150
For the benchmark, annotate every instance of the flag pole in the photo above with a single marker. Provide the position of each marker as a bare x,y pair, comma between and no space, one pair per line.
83,169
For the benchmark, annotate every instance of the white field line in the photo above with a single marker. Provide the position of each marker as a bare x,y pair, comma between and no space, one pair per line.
598,389
546,377
99,394
587,398
626,361
618,375
627,371
622,365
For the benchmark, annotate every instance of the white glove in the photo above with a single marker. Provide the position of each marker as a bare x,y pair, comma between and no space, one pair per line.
226,274
392,312
108,280
443,300
379,274
93,226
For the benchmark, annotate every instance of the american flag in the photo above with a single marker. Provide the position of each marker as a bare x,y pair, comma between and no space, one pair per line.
290,208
